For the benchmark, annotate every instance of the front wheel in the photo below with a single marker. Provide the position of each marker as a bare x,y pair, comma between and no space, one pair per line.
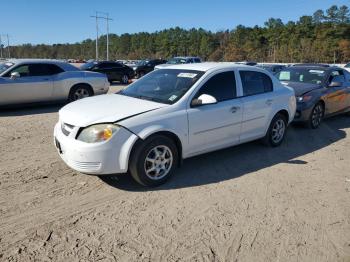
276,132
79,92
153,161
316,116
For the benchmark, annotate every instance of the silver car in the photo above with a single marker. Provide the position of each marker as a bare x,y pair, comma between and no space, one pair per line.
38,80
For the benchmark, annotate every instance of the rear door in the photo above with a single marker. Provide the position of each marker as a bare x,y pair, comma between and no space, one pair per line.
257,103
35,84
217,125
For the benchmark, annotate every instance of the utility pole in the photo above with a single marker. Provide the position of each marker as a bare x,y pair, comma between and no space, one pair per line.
8,46
106,17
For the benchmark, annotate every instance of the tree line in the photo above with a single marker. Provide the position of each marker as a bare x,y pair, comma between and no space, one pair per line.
322,37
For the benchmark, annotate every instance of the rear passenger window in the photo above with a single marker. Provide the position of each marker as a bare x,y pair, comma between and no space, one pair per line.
254,83
222,86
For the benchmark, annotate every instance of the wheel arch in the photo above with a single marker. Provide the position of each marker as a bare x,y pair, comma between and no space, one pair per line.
82,84
174,137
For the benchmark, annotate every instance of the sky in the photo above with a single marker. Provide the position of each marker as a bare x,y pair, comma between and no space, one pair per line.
69,21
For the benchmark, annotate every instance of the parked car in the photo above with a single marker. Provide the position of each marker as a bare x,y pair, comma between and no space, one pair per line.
145,66
36,80
273,68
249,63
320,91
347,67
180,60
312,64
114,71
172,114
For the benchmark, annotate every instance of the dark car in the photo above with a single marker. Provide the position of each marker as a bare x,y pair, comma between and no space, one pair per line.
114,71
320,92
145,66
311,64
272,68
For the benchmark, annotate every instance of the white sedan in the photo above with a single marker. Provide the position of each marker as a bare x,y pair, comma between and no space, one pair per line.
39,80
172,114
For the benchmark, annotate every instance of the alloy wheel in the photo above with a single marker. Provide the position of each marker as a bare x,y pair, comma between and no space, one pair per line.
158,162
278,131
317,115
80,93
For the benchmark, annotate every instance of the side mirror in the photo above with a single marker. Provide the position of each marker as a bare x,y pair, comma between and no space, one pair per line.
203,100
15,75
335,84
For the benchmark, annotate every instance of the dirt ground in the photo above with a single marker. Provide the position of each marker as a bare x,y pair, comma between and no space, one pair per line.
246,203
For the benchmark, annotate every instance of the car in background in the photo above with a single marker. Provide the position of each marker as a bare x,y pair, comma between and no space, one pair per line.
171,114
180,60
249,63
113,70
320,92
145,66
39,80
272,68
347,67
312,64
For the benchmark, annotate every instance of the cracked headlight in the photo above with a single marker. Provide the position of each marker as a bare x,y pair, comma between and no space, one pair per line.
98,133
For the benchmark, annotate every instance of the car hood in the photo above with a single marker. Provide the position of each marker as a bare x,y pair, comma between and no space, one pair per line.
301,88
105,109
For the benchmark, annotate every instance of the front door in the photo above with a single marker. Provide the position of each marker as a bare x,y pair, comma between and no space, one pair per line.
216,125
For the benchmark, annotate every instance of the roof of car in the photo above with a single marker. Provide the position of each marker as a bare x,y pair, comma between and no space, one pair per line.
209,66
64,65
313,67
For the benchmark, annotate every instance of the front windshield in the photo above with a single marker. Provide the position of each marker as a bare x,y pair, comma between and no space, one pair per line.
347,66
176,60
88,66
302,75
164,85
5,66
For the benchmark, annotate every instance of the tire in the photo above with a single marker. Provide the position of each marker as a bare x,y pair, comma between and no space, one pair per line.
125,79
110,82
153,161
79,91
316,116
276,132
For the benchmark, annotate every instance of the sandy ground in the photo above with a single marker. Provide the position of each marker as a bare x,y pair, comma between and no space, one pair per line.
246,203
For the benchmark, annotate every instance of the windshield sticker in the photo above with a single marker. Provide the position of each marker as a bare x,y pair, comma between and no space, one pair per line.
284,76
320,72
172,98
188,75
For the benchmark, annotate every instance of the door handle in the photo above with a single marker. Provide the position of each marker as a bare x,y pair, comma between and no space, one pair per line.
269,102
234,109
46,79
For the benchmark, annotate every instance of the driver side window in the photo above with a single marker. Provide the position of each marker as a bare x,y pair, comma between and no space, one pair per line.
337,76
222,86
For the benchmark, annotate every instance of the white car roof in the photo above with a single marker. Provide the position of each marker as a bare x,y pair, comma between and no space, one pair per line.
211,66
65,66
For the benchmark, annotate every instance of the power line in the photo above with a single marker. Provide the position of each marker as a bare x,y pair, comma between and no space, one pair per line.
107,19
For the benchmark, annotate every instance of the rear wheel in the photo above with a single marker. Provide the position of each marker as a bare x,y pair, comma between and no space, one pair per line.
153,161
316,116
78,92
276,132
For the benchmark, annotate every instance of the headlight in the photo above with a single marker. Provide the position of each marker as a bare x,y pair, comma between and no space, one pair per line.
98,133
134,68
304,98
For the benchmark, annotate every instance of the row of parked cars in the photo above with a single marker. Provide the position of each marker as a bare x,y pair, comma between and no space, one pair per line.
177,111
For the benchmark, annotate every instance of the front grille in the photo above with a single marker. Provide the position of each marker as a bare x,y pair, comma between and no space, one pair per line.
66,129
